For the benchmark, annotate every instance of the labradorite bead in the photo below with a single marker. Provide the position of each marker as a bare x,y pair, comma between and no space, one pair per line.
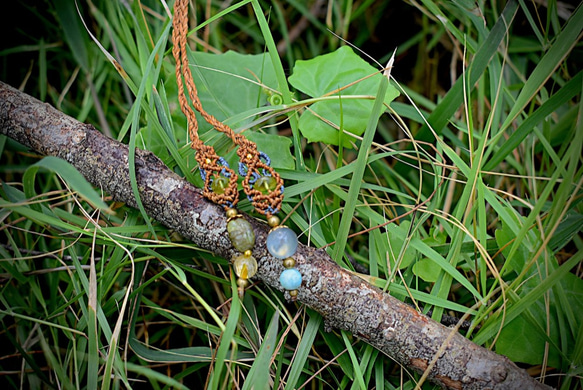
265,184
282,242
241,234
219,184
245,266
290,279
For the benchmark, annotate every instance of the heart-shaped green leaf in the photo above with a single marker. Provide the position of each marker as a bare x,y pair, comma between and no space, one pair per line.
329,72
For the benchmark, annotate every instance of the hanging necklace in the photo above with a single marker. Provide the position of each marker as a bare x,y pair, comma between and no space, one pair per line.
261,183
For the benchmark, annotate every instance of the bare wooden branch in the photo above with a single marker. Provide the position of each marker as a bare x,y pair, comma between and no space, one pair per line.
344,300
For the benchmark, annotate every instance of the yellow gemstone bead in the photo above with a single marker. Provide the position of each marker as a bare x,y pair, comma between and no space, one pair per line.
265,184
219,185
245,266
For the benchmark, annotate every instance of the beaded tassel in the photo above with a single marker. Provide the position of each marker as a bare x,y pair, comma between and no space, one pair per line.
282,243
243,239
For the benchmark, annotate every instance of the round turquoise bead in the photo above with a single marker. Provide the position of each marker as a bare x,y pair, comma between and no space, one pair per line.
282,242
290,279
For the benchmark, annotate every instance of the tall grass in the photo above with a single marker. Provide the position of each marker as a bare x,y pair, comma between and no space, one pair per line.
464,199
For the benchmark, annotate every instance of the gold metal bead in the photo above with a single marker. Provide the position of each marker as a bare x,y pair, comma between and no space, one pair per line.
290,262
247,253
242,283
273,221
231,213
293,294
208,161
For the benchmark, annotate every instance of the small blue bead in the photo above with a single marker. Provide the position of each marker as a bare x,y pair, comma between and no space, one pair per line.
282,242
290,279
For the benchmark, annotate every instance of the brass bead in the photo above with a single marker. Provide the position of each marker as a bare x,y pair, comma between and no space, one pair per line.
231,213
248,253
242,283
208,161
273,221
290,262
293,293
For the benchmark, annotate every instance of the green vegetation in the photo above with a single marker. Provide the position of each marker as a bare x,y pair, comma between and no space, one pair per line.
463,198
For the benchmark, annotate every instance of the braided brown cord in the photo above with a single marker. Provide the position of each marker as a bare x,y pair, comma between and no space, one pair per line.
250,159
208,160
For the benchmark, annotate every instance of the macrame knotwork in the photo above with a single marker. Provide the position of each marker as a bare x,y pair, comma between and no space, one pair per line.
261,183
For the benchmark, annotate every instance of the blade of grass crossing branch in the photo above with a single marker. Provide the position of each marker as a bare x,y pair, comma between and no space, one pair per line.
135,119
93,335
356,181
358,376
149,111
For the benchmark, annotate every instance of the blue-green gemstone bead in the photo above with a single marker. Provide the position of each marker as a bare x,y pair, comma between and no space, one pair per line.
282,242
290,279
241,234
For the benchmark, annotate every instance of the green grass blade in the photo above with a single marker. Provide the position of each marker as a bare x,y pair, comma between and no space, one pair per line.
258,377
441,115
303,350
356,181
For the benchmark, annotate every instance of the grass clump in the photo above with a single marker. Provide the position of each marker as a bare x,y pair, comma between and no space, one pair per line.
464,199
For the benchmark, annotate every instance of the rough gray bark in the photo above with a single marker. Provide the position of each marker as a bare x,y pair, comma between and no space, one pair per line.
344,300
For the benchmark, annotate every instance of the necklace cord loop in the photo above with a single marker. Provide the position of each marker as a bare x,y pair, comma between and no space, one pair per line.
251,164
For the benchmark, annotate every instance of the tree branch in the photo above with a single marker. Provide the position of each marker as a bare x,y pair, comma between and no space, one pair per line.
344,300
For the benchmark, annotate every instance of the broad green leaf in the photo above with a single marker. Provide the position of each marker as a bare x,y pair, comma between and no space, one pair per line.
275,146
523,338
232,86
231,83
520,343
427,270
523,341
327,73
